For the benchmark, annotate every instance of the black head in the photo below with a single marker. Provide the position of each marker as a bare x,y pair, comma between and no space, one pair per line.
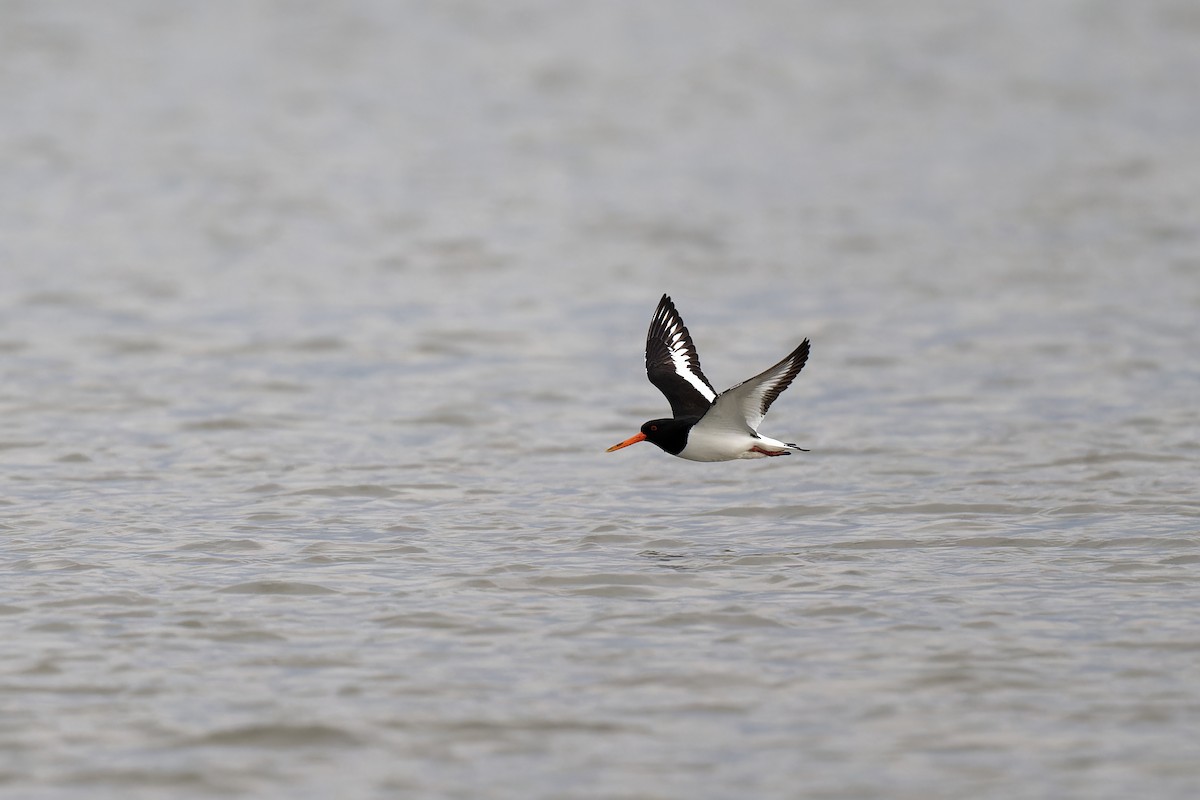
669,434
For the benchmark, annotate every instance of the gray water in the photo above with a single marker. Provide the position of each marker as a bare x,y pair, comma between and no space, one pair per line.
316,320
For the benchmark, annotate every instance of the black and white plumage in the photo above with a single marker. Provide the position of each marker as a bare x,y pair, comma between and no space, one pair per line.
706,426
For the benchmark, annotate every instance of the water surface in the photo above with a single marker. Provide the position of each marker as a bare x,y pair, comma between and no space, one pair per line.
316,322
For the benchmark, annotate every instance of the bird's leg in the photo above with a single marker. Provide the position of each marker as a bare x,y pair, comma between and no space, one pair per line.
757,449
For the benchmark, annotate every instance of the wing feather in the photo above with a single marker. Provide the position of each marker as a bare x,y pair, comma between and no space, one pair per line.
673,365
747,403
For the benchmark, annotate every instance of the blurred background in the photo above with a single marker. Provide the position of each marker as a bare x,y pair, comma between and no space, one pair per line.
316,319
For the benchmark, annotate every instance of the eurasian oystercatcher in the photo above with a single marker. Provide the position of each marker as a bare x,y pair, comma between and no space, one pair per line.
706,426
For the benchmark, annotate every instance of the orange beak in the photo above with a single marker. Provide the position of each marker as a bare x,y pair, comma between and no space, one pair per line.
637,437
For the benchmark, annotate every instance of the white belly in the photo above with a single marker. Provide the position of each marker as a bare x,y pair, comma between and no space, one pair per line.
726,445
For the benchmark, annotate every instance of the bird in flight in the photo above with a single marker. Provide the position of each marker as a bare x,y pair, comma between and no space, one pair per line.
704,425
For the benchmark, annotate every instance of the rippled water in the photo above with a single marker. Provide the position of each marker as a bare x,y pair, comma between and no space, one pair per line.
316,321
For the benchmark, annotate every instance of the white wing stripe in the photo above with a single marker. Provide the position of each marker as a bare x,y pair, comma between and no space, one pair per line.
679,357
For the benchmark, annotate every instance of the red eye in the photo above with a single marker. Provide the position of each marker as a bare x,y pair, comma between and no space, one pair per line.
653,427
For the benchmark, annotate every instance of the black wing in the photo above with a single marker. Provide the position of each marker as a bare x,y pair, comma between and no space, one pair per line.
673,365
